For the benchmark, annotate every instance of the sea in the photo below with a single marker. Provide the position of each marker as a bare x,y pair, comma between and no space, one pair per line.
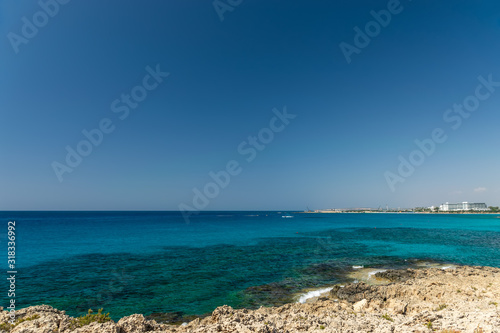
158,263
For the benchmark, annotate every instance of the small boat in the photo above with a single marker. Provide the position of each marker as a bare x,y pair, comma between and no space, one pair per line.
287,216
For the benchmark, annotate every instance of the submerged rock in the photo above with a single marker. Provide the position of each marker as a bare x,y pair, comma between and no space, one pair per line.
272,294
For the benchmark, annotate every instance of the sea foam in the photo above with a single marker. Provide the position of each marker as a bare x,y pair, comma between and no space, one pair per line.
314,293
372,273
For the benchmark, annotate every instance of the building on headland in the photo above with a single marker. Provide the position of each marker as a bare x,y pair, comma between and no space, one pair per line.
449,207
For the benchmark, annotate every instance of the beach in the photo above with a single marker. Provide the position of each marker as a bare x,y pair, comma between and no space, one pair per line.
456,299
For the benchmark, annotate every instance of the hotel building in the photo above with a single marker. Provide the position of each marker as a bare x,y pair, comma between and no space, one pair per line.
447,207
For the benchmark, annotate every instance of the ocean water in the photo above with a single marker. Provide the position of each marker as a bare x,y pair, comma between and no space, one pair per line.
155,262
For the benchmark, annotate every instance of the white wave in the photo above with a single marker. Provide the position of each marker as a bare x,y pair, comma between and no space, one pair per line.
315,293
372,273
358,267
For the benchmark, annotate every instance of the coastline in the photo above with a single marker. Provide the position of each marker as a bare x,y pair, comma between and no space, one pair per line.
366,275
397,212
457,299
270,259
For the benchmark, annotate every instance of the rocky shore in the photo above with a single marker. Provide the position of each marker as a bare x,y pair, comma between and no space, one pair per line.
459,299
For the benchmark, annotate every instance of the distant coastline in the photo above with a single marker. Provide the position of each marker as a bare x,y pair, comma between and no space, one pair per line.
446,208
369,211
390,212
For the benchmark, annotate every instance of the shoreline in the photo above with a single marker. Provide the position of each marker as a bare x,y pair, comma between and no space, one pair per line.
459,298
366,275
398,212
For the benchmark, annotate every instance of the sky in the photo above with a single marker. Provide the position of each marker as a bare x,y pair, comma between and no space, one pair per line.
248,105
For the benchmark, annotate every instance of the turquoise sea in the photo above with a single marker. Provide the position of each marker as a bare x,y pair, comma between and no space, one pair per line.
155,262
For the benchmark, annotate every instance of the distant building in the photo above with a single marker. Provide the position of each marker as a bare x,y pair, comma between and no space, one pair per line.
448,207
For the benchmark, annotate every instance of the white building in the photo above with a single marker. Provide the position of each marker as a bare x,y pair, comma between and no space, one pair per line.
448,207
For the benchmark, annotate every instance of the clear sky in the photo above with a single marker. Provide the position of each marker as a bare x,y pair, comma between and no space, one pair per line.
348,104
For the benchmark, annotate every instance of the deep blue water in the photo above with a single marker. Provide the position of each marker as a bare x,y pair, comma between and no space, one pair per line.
146,262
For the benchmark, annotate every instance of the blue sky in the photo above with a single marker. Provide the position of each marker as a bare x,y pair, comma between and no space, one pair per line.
352,121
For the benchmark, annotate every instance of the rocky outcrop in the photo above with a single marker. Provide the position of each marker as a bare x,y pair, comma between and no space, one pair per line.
396,275
464,299
173,318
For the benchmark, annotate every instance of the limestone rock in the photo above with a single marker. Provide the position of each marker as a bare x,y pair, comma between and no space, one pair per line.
360,305
396,275
136,323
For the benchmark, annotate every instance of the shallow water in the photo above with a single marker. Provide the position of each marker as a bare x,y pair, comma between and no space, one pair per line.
145,262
